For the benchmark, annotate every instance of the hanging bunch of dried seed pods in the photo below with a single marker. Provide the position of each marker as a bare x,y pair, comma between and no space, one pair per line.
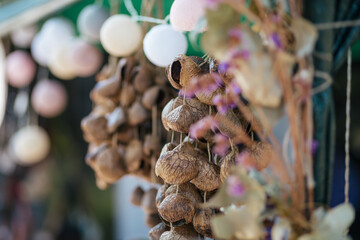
123,130
192,172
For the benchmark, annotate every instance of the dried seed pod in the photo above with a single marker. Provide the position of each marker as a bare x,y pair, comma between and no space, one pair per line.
227,162
108,103
125,68
94,128
160,81
182,70
143,80
230,120
125,134
137,114
108,88
206,96
155,232
152,145
153,96
184,232
160,196
127,95
201,221
171,105
137,196
208,178
152,220
115,119
108,165
148,201
100,110
93,151
133,155
177,208
167,147
101,183
188,190
181,118
177,166
258,156
204,65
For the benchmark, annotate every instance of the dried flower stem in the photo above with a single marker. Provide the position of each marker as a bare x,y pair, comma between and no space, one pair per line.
347,127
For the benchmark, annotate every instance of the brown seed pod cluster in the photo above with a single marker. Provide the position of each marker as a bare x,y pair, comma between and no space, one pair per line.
123,131
190,170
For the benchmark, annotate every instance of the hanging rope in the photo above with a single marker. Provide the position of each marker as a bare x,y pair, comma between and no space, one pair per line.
134,14
347,128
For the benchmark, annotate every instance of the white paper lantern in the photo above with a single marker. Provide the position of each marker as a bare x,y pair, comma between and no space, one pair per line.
162,44
30,145
90,20
120,35
60,63
22,37
84,58
185,14
58,29
48,98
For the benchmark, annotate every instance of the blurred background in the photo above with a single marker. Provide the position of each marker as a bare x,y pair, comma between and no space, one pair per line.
58,198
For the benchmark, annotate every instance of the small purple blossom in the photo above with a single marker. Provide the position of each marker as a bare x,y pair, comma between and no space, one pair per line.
235,188
314,146
276,40
199,129
233,87
222,145
235,34
223,67
240,53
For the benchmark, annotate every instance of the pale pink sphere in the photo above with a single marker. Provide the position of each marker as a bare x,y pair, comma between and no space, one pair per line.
48,98
85,58
20,68
184,14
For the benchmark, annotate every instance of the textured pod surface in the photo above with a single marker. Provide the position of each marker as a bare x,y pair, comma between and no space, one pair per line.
108,87
108,165
143,80
160,196
156,232
152,145
182,70
227,162
259,155
188,190
151,220
201,221
115,119
208,178
185,232
94,128
148,201
229,121
127,95
133,155
171,105
137,114
167,147
153,96
207,96
136,196
177,166
176,208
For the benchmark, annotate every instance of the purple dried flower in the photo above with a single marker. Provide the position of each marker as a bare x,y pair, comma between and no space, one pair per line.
314,146
199,129
223,67
235,188
235,34
222,145
276,40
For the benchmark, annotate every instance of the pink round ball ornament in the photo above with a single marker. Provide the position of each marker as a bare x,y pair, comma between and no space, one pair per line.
48,98
20,69
184,14
85,58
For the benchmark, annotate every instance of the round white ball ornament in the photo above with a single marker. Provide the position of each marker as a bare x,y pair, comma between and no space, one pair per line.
162,44
30,145
120,35
20,68
22,37
90,20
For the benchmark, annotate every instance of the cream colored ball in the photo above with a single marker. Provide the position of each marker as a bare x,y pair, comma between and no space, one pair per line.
120,35
60,63
30,145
